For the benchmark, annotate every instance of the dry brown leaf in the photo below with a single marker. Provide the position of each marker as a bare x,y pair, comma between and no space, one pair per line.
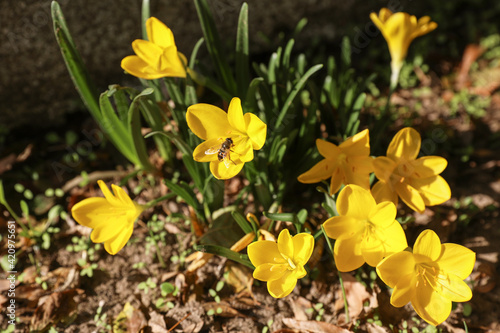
244,301
199,259
129,319
313,326
58,307
485,277
239,277
7,162
225,309
157,323
356,296
372,328
471,53
299,306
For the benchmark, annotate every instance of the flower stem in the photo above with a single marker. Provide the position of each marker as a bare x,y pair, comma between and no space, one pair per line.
346,306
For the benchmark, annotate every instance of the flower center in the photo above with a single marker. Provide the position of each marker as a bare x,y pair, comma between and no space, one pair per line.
427,275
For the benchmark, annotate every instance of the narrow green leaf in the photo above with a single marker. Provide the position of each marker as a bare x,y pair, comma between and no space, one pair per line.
134,118
287,217
186,195
214,45
77,70
115,129
193,170
178,141
298,86
346,52
242,53
225,252
242,222
194,54
145,14
287,53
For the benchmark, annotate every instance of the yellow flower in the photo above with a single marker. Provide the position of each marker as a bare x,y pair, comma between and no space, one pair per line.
399,30
348,163
364,230
281,263
157,57
415,181
111,217
430,278
230,138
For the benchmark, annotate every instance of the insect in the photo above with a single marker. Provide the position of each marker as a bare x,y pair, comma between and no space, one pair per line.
222,150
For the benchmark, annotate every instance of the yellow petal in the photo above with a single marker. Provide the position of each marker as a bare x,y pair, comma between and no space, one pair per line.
337,180
430,305
159,33
139,68
322,170
91,212
303,246
149,52
170,63
354,175
428,166
338,227
269,272
382,242
285,244
357,145
453,288
427,247
328,150
457,259
264,252
208,121
107,194
121,195
355,201
207,151
395,266
404,291
242,149
382,191
235,115
383,215
384,167
282,287
222,170
405,144
256,130
433,190
109,229
410,196
113,246
347,254
299,272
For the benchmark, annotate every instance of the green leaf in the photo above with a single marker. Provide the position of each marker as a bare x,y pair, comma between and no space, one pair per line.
79,75
298,86
242,222
242,63
227,253
194,54
287,217
145,14
214,45
116,130
187,195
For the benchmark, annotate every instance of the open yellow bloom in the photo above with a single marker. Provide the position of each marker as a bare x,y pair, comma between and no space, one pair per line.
111,217
399,30
230,138
415,181
348,163
430,278
157,57
364,230
281,263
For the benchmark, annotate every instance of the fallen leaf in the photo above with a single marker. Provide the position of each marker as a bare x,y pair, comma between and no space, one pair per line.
7,162
129,319
471,53
372,328
313,326
157,323
222,309
299,306
239,277
58,308
356,296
